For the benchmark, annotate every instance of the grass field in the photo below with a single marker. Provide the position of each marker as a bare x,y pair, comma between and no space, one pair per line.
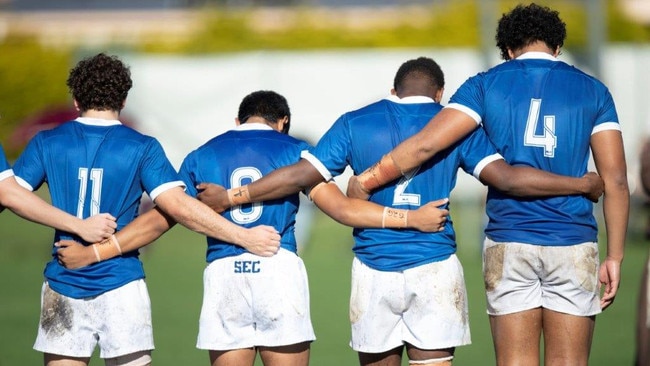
174,266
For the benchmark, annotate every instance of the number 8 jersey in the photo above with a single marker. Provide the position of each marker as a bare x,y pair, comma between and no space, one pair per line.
239,157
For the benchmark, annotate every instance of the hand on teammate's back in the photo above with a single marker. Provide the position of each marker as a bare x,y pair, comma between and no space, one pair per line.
97,227
262,240
214,196
429,217
73,255
596,184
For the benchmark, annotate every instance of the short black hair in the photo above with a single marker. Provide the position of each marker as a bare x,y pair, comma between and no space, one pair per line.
100,82
526,24
419,69
266,104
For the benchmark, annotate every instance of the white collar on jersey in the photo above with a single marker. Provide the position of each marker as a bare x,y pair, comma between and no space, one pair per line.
409,100
252,127
536,55
97,121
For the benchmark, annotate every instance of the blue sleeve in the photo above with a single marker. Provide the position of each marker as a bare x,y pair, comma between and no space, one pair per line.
4,164
474,148
156,168
470,94
607,110
186,174
30,166
333,149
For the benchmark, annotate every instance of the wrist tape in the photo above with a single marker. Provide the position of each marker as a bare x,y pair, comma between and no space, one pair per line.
394,218
108,248
379,174
239,195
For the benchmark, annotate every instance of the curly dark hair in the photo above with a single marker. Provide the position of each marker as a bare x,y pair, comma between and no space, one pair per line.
421,68
526,24
266,104
100,82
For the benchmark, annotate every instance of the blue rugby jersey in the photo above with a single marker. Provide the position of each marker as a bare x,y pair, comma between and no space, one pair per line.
539,112
239,157
5,168
95,166
360,138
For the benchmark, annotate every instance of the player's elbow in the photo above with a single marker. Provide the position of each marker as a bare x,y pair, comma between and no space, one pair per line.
616,182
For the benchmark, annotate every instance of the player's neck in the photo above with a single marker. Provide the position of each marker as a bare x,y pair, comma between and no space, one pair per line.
107,114
538,46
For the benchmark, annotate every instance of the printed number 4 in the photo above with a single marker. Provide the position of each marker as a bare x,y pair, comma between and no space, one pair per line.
547,139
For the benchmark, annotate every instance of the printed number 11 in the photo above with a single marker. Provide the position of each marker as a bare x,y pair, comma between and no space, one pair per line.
96,192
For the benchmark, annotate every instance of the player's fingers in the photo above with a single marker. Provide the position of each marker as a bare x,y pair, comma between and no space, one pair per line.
61,245
201,187
107,216
440,202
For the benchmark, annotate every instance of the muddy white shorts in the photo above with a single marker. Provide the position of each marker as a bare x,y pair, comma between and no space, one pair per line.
255,301
425,306
119,321
520,277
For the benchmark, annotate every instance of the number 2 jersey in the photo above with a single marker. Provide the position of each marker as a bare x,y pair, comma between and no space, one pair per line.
539,112
360,138
95,166
238,157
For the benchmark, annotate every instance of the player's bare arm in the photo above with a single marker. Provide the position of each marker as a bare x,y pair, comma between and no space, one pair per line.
359,213
260,240
189,212
527,181
609,156
444,129
140,232
29,206
277,184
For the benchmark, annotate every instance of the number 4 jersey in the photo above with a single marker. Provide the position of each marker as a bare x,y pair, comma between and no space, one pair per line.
539,112
95,166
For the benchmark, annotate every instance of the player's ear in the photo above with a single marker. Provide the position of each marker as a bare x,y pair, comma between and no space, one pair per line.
438,96
237,121
393,91
283,125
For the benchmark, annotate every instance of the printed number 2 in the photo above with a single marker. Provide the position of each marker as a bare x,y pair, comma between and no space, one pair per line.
239,177
401,198
96,176
547,139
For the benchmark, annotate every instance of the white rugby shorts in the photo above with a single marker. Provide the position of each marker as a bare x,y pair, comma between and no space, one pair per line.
521,277
119,321
425,306
255,301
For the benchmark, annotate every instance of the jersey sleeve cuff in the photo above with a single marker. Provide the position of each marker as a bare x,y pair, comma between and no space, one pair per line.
317,164
6,174
164,187
459,107
483,163
607,126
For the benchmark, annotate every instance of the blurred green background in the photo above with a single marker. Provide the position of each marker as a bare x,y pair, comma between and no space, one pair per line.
174,266
33,69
